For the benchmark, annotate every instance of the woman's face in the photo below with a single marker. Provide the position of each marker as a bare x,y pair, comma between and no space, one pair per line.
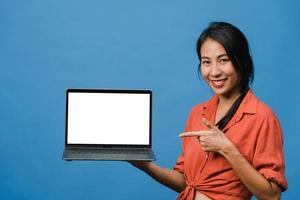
218,70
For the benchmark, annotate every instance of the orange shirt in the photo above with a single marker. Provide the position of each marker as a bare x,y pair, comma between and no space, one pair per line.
254,130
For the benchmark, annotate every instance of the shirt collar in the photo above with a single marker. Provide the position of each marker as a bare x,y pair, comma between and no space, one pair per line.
210,107
248,106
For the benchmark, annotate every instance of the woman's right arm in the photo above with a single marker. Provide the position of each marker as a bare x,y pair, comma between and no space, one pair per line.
168,177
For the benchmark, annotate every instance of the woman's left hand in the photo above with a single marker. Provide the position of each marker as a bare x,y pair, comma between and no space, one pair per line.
211,140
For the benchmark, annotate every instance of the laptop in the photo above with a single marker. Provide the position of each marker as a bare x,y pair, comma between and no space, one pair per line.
108,124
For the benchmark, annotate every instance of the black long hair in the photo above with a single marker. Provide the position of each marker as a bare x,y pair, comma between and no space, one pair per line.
236,46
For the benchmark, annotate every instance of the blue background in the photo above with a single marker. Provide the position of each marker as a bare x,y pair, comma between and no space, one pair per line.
48,46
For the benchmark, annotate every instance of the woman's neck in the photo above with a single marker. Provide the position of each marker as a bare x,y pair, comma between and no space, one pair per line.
224,104
227,101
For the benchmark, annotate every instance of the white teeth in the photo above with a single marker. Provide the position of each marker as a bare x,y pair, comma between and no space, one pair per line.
218,82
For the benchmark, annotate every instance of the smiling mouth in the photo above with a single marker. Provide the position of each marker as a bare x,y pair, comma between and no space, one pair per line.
218,83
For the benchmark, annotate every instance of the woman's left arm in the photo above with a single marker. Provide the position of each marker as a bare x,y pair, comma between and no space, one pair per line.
214,140
252,179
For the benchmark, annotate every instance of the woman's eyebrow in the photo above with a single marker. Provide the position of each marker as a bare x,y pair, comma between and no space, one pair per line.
218,57
222,55
205,57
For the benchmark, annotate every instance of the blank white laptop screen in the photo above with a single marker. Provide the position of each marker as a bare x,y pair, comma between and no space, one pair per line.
108,118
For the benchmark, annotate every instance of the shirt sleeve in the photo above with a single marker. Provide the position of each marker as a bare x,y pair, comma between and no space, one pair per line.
268,156
179,166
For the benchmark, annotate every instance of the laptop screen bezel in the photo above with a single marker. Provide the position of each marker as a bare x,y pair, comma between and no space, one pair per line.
121,91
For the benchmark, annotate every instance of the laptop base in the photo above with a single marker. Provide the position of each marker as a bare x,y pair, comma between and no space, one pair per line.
123,154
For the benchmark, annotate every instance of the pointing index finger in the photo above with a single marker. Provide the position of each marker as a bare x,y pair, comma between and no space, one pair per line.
191,134
187,134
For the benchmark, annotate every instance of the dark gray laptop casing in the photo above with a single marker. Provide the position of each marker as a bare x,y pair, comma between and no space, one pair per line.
108,151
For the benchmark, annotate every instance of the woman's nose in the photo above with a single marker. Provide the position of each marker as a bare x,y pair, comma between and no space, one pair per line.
215,70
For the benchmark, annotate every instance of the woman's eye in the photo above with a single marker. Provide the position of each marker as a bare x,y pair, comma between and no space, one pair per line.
224,60
205,62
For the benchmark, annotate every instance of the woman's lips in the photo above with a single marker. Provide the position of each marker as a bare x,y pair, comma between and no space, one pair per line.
218,83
